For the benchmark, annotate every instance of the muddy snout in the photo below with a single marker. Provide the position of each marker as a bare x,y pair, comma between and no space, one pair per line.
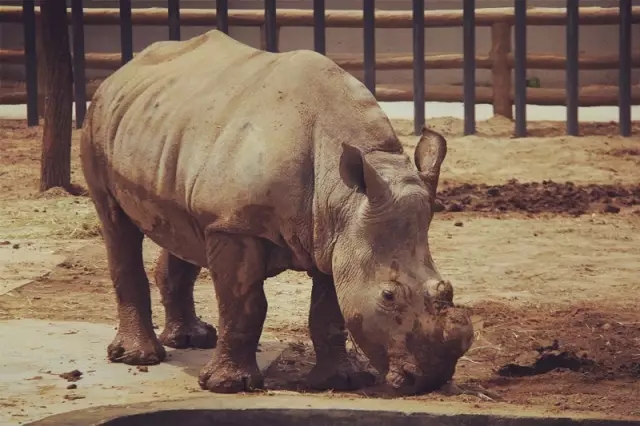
441,294
433,351
406,379
458,334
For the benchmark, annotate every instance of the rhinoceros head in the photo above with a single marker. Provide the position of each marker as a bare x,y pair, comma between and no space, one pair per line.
396,306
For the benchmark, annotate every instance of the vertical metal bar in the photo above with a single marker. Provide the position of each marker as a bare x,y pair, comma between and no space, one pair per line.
31,61
520,68
79,77
319,30
270,25
418,66
368,12
469,49
174,19
572,68
624,83
126,31
222,15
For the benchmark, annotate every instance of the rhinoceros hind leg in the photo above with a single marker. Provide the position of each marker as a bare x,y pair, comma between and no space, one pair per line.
237,264
136,342
333,369
175,279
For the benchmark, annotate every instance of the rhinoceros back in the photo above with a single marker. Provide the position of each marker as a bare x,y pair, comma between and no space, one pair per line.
202,131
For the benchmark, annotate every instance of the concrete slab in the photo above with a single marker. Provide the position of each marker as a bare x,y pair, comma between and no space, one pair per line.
22,262
35,353
293,410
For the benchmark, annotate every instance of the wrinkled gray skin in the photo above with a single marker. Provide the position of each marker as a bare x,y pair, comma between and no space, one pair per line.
250,163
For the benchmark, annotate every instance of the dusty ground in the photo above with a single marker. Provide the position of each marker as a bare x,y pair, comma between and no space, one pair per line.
536,259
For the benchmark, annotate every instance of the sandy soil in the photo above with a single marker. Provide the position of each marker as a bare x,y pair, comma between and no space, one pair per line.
536,260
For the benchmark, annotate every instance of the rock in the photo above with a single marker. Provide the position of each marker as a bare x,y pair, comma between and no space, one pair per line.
72,376
609,208
493,191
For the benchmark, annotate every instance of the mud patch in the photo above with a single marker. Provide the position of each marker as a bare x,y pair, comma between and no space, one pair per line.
624,152
290,370
548,361
539,197
596,343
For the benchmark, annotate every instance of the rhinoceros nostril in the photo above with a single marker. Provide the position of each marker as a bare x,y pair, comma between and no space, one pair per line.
410,379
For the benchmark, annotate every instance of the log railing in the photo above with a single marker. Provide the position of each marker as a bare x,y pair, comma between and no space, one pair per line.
501,58
340,18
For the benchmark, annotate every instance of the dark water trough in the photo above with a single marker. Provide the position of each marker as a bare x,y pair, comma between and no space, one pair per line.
283,410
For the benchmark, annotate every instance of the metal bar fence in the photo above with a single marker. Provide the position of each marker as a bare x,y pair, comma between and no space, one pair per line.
418,66
470,18
572,68
270,25
31,62
624,82
469,49
79,74
126,31
369,33
319,27
520,71
222,16
174,19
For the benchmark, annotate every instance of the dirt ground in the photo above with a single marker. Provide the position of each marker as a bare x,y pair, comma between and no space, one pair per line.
539,236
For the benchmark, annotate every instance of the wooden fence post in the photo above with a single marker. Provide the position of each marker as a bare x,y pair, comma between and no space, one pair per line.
501,70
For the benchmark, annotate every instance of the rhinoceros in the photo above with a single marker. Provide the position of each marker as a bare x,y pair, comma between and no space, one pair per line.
250,163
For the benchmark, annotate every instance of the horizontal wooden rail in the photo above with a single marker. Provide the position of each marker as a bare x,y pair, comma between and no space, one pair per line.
589,96
455,61
341,18
112,61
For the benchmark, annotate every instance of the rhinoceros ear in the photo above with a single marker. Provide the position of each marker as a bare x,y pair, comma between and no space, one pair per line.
357,172
429,155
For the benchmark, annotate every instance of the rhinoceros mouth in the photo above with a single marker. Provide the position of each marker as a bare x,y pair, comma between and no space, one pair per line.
404,379
408,380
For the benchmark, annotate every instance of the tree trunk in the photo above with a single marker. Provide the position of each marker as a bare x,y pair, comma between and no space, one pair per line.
56,142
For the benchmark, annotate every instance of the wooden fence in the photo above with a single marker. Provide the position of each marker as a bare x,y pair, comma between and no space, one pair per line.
501,60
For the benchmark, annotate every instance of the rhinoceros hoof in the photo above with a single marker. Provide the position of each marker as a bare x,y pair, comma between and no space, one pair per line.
342,378
132,351
197,334
227,379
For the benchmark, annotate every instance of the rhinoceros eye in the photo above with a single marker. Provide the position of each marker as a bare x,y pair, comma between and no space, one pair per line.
388,295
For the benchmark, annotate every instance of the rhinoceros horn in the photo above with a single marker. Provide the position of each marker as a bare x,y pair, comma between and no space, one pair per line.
358,173
429,155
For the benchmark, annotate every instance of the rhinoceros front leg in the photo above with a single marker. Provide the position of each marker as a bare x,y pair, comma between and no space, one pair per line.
333,369
183,329
136,342
237,265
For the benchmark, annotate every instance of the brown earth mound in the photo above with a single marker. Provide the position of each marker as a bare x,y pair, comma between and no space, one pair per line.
536,197
598,343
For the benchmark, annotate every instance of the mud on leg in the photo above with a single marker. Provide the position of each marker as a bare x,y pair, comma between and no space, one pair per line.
333,369
136,342
175,279
237,265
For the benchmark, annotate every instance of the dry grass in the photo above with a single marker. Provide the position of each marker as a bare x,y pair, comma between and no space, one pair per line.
64,218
